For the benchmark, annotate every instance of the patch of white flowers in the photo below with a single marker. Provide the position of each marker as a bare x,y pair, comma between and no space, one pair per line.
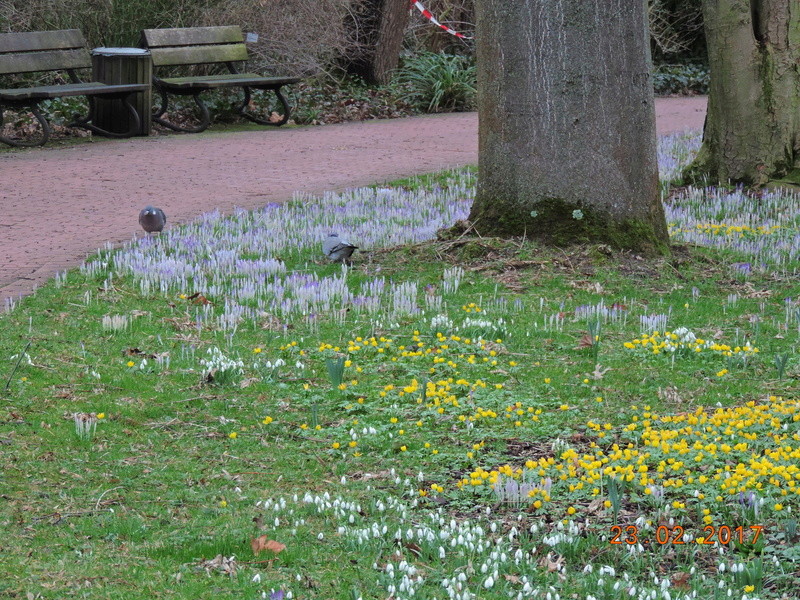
219,367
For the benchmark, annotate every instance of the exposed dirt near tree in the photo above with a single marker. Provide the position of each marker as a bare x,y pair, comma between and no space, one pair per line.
57,205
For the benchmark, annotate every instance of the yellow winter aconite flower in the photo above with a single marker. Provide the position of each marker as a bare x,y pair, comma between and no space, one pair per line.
131,363
233,435
101,415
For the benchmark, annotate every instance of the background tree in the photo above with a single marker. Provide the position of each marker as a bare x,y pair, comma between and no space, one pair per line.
378,28
752,132
567,148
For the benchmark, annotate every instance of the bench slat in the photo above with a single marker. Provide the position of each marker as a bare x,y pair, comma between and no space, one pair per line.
50,60
41,40
220,81
195,55
192,36
91,88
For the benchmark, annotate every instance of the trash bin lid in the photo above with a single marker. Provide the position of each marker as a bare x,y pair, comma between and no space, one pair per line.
120,51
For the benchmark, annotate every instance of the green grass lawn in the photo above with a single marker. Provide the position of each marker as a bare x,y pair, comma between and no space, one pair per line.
448,418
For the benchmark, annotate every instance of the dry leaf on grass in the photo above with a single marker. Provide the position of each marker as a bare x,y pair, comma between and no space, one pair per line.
681,580
262,544
219,563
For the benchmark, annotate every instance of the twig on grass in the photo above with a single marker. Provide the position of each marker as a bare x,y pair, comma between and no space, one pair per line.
97,504
19,360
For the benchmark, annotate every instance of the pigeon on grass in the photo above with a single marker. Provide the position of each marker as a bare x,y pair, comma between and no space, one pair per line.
152,219
337,249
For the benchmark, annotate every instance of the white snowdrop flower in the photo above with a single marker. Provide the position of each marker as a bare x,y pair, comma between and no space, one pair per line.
343,480
493,527
484,568
617,585
277,522
462,577
608,570
420,476
721,568
489,582
632,591
321,536
588,569
665,595
442,553
256,578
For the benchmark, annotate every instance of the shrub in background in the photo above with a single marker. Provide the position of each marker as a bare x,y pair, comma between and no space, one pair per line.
681,79
437,82
301,37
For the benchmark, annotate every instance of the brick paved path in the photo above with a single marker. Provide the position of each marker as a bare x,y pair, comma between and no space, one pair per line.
59,204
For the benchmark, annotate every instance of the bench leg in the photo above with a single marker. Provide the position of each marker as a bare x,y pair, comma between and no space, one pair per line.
205,116
260,121
34,109
86,122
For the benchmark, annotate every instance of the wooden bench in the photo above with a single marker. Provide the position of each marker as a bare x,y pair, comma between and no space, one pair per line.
63,50
207,46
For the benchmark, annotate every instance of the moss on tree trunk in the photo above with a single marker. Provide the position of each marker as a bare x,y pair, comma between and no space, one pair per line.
567,123
752,132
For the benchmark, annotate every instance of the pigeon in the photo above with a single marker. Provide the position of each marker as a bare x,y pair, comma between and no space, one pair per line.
152,219
337,249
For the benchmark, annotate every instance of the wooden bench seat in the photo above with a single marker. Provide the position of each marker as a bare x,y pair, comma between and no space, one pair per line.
63,50
47,92
207,46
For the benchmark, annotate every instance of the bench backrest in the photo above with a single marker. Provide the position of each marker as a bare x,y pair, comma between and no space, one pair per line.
195,45
43,51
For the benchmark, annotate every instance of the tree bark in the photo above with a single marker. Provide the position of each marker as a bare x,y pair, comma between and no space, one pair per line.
752,132
379,28
567,139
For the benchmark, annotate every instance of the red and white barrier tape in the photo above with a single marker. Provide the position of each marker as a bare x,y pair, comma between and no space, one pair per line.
428,15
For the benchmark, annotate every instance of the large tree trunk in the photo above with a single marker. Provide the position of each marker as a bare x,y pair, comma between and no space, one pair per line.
752,132
379,28
567,149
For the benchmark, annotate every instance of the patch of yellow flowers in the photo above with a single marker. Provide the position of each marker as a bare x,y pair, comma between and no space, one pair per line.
713,453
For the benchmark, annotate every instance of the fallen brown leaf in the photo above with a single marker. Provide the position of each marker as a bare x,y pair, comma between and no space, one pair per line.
262,543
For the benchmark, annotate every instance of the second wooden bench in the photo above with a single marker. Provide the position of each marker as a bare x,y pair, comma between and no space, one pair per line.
207,46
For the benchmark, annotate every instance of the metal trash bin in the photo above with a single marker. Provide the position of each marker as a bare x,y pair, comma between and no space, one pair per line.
123,65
